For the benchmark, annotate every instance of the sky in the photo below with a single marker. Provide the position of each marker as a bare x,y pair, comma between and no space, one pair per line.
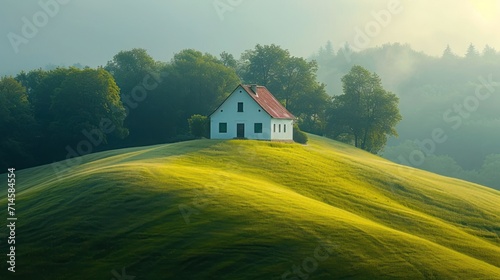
90,32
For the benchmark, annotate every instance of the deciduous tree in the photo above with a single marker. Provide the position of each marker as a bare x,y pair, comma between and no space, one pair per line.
365,114
292,80
85,99
17,125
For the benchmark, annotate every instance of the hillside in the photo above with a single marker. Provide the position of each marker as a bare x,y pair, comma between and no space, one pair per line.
238,209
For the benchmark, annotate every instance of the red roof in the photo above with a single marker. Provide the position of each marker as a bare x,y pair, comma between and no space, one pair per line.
268,102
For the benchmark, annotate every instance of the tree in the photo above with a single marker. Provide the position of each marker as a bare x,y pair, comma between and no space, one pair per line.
365,114
327,52
130,67
488,173
266,66
284,75
489,53
448,53
310,109
228,60
41,86
17,125
201,82
292,80
199,126
471,53
196,84
85,100
134,71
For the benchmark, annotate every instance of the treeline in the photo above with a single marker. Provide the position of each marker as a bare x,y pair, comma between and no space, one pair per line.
134,100
49,115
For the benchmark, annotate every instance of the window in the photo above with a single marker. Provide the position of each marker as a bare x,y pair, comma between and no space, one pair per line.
222,127
284,128
274,127
240,106
279,128
257,127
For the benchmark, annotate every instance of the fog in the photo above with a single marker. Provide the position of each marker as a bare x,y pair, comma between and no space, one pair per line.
38,33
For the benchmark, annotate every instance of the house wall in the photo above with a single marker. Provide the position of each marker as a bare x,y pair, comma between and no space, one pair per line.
252,113
278,129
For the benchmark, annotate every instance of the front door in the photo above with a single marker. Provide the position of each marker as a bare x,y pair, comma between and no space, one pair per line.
240,130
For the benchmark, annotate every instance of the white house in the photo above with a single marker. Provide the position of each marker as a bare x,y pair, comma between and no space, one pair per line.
251,112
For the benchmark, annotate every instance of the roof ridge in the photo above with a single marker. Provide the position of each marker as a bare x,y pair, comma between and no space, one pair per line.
268,102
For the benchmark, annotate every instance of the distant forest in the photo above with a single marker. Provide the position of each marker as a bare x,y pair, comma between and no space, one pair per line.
449,104
456,97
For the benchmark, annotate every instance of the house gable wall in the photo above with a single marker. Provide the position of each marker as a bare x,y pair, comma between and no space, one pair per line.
252,113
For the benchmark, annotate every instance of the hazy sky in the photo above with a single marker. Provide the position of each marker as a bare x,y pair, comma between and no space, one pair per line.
90,32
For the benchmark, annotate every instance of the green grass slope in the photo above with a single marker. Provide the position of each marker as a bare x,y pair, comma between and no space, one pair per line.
238,209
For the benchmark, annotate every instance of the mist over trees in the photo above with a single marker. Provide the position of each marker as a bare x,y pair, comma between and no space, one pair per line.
456,95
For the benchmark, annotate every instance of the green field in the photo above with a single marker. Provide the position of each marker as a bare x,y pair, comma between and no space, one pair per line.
242,209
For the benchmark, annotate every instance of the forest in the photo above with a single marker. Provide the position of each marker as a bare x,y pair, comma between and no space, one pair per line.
60,113
454,99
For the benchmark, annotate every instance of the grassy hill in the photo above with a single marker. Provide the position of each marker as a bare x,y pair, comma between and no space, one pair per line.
238,209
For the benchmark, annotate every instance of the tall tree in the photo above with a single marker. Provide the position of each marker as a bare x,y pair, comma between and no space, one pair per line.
201,82
136,73
448,53
365,114
196,84
17,125
310,109
41,86
471,53
130,67
489,53
291,79
228,60
327,52
85,100
265,65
